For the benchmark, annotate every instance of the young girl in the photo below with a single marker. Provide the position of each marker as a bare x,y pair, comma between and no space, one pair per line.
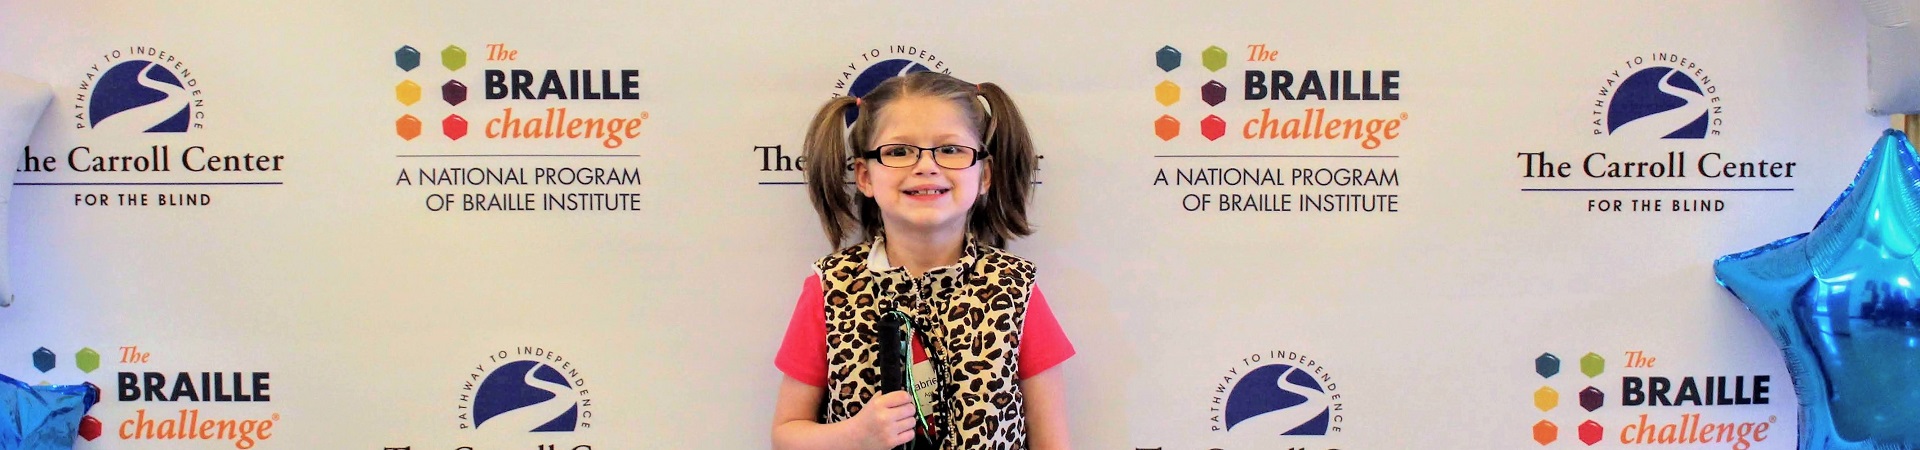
942,169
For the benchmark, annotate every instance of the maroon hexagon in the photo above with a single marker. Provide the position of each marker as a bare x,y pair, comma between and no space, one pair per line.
1591,398
1591,432
1213,93
89,428
453,92
1213,127
92,398
454,126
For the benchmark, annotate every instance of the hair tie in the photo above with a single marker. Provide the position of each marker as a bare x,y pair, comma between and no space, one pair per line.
856,102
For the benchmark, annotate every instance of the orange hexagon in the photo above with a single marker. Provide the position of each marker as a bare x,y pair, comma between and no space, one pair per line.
1167,127
408,127
1545,432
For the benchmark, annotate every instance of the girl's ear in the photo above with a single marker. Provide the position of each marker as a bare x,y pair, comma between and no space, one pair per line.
986,176
862,177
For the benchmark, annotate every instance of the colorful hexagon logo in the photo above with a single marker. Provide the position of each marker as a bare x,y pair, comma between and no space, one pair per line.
1166,93
407,58
1214,58
407,92
89,428
1213,127
87,360
408,127
1213,93
1591,432
1546,365
1166,127
43,360
453,57
1591,398
1168,58
1546,398
453,92
1592,365
454,126
1545,432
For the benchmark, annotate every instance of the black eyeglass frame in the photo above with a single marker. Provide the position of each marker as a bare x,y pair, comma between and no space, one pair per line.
920,152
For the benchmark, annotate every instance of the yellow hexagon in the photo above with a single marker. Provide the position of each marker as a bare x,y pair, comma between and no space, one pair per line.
407,92
1546,398
1167,93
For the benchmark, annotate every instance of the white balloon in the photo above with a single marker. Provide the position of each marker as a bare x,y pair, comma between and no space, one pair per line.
21,103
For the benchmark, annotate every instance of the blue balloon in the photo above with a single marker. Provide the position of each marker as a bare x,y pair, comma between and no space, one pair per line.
40,417
1840,302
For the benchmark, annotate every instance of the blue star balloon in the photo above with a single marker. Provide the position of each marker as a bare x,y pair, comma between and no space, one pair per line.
1840,302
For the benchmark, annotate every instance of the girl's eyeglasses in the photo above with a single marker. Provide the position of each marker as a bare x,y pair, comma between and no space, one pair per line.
953,157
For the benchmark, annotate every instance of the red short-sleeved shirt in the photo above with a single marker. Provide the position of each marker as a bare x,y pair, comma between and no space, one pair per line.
803,354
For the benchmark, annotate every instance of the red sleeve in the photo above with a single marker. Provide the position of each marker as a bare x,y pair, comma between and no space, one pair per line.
1042,343
803,354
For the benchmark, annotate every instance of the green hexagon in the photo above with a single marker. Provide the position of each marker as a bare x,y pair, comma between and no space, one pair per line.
1214,58
453,57
87,360
1592,365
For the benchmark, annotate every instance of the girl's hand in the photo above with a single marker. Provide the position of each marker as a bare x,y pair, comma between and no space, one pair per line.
886,421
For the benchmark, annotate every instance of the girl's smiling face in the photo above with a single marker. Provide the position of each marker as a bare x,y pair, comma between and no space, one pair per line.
924,198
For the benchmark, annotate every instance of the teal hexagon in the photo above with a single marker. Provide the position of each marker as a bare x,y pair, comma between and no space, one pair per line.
1167,58
406,58
1546,365
43,359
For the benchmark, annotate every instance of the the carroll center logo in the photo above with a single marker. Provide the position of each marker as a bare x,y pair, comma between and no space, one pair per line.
878,64
1661,95
857,78
139,89
1277,392
527,389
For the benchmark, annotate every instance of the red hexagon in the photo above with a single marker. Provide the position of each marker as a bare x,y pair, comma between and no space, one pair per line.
454,126
1213,127
1591,432
408,127
89,428
1166,127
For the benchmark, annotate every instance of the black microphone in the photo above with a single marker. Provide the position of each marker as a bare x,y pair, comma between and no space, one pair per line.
893,341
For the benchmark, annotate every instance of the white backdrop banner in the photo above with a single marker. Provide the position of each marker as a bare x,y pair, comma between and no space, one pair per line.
1318,225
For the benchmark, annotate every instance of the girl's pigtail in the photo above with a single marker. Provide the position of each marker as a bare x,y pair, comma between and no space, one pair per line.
826,150
1001,215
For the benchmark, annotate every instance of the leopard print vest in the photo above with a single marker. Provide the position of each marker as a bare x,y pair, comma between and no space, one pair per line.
970,317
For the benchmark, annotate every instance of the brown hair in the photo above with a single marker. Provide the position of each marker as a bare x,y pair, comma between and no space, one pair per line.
998,217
